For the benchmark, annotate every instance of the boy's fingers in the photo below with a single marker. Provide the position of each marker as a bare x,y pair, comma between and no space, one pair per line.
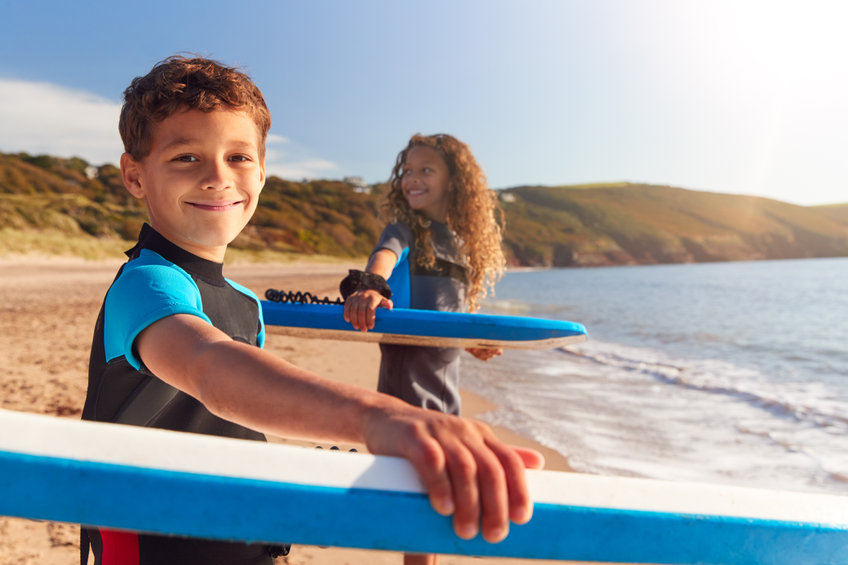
495,497
449,474
482,475
429,462
531,458
470,473
490,489
514,461
462,468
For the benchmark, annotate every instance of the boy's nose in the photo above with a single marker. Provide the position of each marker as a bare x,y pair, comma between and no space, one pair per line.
217,177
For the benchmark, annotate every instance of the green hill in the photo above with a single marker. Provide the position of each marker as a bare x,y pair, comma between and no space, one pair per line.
644,224
68,203
45,195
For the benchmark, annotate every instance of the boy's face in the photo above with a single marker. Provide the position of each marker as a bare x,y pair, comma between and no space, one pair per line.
201,180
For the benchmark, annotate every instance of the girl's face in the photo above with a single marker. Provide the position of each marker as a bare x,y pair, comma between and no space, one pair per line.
425,182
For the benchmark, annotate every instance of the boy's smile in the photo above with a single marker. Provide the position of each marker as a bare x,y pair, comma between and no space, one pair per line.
425,182
201,180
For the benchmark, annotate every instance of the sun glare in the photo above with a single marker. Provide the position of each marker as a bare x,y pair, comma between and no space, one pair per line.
786,62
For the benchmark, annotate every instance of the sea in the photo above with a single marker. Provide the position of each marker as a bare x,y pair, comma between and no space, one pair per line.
733,373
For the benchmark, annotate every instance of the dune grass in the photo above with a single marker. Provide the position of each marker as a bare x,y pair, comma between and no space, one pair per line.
83,246
55,242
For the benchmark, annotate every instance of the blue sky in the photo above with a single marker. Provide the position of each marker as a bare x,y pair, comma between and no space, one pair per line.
744,96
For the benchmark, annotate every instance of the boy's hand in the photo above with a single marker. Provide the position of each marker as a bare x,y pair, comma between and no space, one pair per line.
360,308
467,471
484,353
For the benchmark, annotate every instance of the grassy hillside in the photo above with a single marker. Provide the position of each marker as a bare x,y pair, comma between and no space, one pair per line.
836,212
43,196
57,205
632,223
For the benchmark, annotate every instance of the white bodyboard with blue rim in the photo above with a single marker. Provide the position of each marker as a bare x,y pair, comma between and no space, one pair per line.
126,477
423,327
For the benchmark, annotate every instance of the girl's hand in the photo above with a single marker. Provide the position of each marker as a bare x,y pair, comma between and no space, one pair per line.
484,353
360,308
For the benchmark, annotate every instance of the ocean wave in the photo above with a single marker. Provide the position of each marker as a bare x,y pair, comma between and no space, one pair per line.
805,402
616,410
711,372
511,307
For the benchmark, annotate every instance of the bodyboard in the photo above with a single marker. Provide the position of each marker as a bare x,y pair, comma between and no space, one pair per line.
422,327
158,481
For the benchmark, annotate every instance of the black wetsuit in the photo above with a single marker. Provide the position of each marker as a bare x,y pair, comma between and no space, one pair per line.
161,279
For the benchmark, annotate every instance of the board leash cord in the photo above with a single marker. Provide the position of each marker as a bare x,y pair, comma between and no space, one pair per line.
298,297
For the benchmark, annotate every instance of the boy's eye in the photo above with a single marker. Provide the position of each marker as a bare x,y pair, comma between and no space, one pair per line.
240,158
186,159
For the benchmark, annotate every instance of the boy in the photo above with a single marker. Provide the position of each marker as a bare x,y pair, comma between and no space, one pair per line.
177,346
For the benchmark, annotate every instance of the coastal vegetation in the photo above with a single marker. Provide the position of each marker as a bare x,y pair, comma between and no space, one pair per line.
67,206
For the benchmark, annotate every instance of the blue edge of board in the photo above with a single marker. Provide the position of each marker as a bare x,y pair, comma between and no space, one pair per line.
422,322
209,506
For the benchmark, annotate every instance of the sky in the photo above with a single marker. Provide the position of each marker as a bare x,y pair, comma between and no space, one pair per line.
739,96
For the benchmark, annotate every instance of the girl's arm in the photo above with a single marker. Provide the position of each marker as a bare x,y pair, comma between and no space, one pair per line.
361,306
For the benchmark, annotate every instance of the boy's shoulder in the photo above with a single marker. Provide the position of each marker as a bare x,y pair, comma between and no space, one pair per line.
149,273
160,263
151,287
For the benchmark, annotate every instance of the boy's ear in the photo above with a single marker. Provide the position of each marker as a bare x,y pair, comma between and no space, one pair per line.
262,173
131,175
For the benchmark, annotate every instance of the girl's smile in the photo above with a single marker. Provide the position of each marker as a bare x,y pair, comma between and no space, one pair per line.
425,182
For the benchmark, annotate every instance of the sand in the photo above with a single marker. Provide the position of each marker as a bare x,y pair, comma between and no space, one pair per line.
49,306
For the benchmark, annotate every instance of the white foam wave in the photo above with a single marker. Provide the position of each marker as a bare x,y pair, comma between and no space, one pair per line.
622,410
807,402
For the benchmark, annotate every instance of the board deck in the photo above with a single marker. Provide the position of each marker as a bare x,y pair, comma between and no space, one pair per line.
423,327
148,480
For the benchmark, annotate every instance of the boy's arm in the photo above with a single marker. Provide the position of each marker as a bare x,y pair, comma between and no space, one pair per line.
466,470
361,306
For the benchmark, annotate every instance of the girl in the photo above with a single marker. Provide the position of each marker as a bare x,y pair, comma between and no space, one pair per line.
441,251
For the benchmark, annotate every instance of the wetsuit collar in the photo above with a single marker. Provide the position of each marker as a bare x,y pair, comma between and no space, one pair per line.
149,238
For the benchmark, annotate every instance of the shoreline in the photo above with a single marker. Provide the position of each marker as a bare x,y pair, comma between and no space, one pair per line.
49,306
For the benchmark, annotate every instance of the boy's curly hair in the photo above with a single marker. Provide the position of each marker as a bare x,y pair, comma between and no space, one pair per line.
473,214
180,83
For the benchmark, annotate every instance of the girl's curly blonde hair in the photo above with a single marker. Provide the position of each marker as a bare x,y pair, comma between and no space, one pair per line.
473,214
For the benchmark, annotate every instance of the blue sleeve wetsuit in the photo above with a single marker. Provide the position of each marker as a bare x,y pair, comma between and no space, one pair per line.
161,279
424,376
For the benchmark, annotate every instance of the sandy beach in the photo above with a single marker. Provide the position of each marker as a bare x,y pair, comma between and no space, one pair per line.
49,306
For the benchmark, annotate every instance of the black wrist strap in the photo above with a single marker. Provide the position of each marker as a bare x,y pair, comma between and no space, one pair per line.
360,280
